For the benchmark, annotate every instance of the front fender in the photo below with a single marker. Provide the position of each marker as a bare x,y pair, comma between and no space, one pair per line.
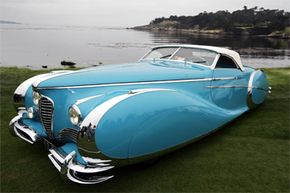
150,122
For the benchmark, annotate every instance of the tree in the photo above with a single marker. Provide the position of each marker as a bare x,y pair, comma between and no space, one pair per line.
256,20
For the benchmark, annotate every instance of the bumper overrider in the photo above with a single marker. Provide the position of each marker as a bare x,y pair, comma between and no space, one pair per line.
83,174
17,128
66,158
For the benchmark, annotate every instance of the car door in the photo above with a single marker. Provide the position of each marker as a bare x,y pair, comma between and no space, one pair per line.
229,84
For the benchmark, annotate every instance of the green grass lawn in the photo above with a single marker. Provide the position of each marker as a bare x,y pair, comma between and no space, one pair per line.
249,155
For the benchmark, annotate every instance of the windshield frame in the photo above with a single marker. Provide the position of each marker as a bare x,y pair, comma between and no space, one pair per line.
183,61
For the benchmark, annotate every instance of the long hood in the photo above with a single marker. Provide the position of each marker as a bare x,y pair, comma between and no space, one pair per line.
125,73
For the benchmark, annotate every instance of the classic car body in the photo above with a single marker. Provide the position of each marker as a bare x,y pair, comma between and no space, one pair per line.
95,119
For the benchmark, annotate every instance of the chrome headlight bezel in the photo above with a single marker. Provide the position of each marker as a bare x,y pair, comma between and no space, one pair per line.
36,97
75,115
30,112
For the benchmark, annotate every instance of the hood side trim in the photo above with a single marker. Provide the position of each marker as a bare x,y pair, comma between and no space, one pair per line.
136,83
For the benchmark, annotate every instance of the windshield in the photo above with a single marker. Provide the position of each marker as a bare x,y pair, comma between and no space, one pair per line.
193,55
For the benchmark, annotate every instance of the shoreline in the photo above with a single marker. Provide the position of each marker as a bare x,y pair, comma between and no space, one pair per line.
215,32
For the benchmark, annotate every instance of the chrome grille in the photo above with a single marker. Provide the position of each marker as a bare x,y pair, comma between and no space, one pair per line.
46,114
68,134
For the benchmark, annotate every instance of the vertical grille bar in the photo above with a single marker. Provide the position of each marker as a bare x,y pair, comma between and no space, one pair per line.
46,114
68,134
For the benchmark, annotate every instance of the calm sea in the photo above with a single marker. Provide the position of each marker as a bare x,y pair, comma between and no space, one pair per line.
35,46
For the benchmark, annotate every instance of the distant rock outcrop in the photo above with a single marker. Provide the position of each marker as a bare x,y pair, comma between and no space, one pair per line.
68,63
8,22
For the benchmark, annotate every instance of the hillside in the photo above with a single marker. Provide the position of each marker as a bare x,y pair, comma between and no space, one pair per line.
252,21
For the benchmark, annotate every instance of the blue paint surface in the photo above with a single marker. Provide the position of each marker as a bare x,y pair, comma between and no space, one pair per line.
154,121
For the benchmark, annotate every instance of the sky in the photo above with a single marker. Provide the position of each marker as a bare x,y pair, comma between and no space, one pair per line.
117,13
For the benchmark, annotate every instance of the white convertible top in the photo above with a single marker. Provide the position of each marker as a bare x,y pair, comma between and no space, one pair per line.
220,50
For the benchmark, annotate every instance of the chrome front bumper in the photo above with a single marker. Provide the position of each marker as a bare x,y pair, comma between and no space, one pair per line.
92,172
88,174
22,130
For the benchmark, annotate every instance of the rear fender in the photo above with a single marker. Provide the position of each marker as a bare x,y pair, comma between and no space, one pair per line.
258,88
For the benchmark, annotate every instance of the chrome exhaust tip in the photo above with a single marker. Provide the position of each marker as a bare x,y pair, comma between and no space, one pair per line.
269,89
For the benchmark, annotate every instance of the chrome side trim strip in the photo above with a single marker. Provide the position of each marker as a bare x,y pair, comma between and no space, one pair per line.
139,83
80,101
94,117
236,86
226,78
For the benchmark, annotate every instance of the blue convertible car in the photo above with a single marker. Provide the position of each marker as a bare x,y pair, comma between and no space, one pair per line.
95,119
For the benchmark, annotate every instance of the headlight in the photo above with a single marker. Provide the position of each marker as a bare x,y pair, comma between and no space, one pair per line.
74,115
30,112
36,97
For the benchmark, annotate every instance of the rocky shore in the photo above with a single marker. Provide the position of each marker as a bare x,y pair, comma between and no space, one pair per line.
196,31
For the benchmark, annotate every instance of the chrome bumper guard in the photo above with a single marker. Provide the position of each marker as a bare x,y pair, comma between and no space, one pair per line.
89,174
21,130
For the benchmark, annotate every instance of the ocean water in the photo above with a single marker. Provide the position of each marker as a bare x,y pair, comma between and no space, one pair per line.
34,46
